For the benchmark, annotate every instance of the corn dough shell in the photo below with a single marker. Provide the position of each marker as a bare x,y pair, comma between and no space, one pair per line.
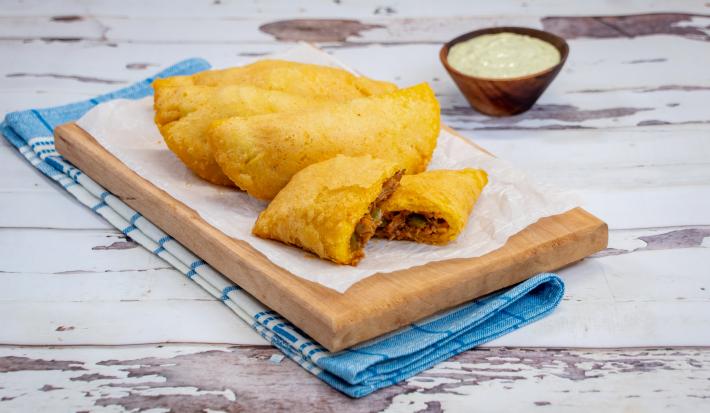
183,115
261,153
448,194
291,77
320,207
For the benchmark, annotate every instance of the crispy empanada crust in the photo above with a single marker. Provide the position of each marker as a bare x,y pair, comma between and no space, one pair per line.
183,115
185,105
291,77
322,204
261,153
445,194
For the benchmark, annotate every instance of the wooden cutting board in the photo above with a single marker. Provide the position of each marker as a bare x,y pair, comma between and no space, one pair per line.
374,306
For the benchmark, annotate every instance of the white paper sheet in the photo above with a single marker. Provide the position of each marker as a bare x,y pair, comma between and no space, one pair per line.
510,202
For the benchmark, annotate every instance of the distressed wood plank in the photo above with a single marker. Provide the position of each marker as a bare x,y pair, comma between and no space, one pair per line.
94,250
18,100
334,28
650,173
653,54
66,10
123,322
30,199
628,300
649,287
73,251
198,377
348,29
55,208
640,207
613,159
406,30
642,94
89,287
563,380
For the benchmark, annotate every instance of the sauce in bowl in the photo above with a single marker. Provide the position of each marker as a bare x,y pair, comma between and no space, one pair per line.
502,56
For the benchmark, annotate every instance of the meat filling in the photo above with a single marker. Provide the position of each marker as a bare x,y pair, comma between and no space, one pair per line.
408,225
366,227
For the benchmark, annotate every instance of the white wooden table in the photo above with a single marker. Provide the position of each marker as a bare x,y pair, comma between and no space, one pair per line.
103,325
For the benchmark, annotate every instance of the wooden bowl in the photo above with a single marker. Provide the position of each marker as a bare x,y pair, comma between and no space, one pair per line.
510,96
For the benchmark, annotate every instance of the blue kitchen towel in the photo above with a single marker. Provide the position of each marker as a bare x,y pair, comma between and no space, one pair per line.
357,371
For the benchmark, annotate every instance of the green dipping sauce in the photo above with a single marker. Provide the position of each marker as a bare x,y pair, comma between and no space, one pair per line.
502,55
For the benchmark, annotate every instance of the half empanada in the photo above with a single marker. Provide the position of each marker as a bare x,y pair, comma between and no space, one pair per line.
291,77
330,208
183,115
261,153
431,207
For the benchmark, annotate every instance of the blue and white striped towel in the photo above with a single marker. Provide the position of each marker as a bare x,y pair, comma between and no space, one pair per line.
357,371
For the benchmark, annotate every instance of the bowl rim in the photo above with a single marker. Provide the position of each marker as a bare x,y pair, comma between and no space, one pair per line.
529,31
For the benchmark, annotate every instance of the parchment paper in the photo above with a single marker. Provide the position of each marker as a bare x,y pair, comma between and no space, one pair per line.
510,202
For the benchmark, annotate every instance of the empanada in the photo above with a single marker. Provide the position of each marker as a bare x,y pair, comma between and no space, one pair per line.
261,153
330,208
431,207
291,77
183,115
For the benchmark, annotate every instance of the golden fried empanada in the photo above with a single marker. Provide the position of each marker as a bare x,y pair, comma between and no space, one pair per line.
431,207
183,115
173,103
261,153
291,77
327,208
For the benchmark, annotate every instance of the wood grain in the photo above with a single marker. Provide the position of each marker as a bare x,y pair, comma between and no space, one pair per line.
580,98
415,9
348,29
190,378
650,287
339,320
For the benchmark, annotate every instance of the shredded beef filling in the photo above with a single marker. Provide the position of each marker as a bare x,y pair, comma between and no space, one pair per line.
365,229
407,225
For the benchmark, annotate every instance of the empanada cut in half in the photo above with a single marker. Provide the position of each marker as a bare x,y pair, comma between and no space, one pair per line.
431,207
261,153
291,77
330,208
183,115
